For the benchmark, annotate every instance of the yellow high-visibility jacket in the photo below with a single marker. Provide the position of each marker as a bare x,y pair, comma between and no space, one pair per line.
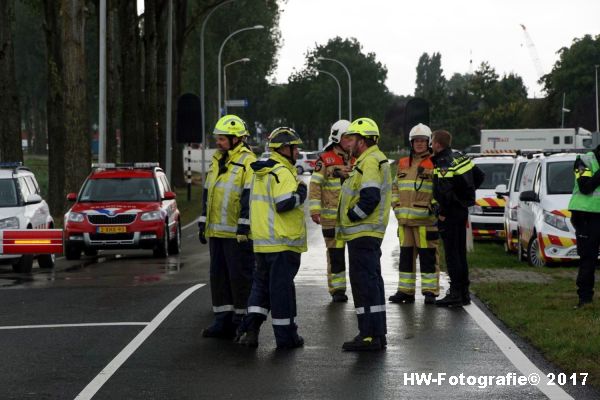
365,201
227,192
276,207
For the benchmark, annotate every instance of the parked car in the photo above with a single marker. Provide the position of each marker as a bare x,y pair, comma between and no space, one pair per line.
306,161
22,207
487,215
123,206
510,194
546,234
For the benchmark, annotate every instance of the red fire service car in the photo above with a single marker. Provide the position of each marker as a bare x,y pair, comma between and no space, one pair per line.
123,206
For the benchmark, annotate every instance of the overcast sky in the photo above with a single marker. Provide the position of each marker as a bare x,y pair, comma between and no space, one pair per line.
400,31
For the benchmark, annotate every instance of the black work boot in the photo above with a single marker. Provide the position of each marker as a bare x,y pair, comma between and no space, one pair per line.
430,298
339,297
582,303
453,299
466,297
248,339
362,343
402,298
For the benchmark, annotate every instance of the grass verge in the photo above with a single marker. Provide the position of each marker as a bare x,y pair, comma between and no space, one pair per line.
537,303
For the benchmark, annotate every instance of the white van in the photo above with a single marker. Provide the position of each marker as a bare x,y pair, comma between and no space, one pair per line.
545,231
487,215
510,194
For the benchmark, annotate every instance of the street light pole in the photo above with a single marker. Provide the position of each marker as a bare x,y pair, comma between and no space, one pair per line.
244,60
202,94
102,86
219,104
597,123
349,83
339,91
168,125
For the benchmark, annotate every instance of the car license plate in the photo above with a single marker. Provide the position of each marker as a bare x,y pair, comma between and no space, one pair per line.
112,229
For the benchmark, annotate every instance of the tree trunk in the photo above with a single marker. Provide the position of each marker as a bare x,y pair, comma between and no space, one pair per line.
39,143
54,109
150,142
10,120
130,81
113,88
77,155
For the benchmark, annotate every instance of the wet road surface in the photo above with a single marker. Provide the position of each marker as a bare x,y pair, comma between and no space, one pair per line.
60,329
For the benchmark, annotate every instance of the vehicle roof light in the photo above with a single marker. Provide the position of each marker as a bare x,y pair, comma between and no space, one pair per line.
11,164
103,165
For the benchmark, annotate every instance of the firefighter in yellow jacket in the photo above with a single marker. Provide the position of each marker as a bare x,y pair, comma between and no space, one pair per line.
279,234
225,222
331,169
363,215
412,200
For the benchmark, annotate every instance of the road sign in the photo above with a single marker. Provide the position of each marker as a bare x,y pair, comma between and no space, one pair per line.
237,103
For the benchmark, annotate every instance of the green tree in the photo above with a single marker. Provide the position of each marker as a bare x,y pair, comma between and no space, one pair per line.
573,75
431,85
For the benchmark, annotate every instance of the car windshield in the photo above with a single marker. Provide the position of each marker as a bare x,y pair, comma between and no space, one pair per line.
495,174
8,193
560,177
519,175
119,189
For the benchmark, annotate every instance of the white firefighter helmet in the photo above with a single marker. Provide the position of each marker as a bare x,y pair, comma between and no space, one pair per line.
337,130
420,131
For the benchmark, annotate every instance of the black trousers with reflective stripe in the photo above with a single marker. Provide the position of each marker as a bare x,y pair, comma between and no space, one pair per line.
587,229
454,236
231,268
273,289
367,285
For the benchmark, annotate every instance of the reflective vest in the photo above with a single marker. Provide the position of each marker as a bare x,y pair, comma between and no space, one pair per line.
412,191
325,185
272,231
586,202
225,191
371,170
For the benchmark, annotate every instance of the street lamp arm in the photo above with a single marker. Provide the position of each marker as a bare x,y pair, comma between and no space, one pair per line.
349,83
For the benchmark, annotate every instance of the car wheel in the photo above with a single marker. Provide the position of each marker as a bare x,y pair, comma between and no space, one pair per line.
46,261
90,252
299,170
534,253
175,243
72,252
162,247
24,265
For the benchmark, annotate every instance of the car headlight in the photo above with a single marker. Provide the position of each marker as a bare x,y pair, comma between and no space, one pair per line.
557,221
475,210
76,217
9,223
151,216
513,214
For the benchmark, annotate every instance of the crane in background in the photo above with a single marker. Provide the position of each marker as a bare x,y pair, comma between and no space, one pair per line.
535,58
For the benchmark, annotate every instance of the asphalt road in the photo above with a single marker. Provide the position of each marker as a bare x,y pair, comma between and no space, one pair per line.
127,326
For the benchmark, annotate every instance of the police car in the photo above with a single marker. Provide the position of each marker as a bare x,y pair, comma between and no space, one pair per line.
546,234
22,207
487,215
123,206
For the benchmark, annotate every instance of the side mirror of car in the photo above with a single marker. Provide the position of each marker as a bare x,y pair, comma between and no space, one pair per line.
169,196
501,191
34,198
72,196
529,195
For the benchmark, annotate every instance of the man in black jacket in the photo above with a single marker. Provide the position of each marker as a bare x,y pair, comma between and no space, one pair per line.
454,191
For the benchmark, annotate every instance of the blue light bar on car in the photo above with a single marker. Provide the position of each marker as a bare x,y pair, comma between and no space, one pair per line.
11,164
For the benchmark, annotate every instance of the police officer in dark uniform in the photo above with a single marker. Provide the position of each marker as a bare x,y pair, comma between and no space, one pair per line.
585,209
454,190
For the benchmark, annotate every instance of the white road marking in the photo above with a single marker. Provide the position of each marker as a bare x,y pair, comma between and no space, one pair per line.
14,327
92,388
514,354
194,222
